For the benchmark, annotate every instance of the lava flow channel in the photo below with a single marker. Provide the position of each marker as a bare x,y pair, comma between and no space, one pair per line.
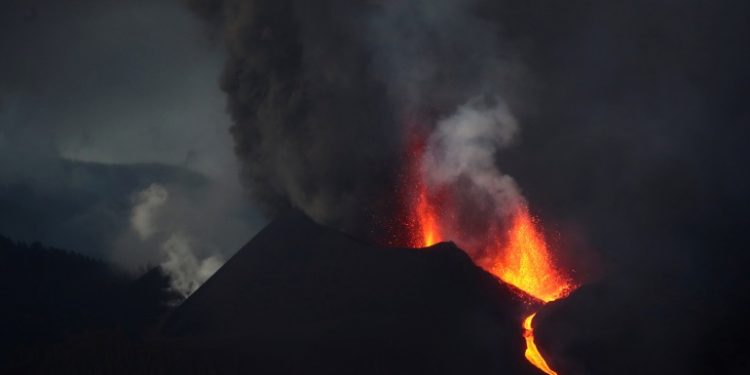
532,353
526,263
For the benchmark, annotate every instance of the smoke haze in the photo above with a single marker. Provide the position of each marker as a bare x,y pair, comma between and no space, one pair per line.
321,92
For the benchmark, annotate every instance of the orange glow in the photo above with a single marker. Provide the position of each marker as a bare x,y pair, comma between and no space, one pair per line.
532,353
423,215
526,263
427,219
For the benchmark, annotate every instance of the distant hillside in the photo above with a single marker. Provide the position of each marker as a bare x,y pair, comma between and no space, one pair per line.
49,295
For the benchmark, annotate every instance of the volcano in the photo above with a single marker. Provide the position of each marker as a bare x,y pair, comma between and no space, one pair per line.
304,298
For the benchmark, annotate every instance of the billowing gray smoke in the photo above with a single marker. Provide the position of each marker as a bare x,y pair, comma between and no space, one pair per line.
323,92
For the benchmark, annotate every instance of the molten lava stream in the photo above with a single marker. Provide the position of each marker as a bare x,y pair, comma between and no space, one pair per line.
526,263
532,353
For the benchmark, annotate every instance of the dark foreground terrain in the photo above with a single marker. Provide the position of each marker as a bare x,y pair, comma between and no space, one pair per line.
298,298
301,298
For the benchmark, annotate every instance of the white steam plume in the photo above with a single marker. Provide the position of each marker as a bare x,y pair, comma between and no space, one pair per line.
147,204
463,147
186,270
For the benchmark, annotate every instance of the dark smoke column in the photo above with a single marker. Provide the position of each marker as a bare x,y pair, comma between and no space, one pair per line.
321,93
312,128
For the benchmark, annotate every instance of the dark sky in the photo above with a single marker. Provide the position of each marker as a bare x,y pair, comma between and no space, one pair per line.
112,81
101,99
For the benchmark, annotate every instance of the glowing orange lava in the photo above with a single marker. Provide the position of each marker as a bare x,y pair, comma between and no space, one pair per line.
532,353
424,218
526,263
427,220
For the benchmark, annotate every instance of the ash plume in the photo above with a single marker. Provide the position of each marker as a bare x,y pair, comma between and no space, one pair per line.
320,93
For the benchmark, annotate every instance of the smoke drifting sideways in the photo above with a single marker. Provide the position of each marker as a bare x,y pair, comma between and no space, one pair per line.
322,94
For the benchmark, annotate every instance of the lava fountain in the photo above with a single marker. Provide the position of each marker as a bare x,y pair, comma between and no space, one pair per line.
516,252
526,263
423,215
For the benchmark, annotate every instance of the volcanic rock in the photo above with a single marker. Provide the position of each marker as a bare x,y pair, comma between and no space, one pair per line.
622,327
303,298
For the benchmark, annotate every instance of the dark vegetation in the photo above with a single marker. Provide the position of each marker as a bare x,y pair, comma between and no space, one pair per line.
53,299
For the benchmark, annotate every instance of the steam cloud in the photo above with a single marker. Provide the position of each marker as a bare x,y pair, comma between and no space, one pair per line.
186,270
320,93
147,204
464,145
